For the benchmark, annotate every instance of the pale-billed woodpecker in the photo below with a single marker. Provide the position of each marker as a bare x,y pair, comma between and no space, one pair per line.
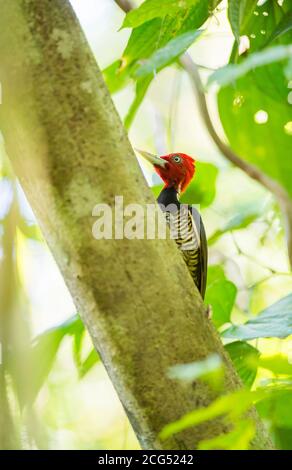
177,170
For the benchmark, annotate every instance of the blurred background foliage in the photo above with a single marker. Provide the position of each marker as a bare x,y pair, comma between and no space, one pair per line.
54,391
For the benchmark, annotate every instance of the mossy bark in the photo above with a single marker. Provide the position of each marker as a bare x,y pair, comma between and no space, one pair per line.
70,152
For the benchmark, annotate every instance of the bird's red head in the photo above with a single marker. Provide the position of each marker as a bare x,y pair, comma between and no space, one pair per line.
175,169
178,171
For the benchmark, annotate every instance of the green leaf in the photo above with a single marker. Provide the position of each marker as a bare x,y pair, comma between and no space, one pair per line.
142,86
288,70
241,220
278,384
283,27
43,357
273,322
239,12
237,439
156,190
31,231
155,34
221,294
275,410
144,40
245,359
116,77
228,74
269,79
77,347
92,359
258,23
276,407
234,7
45,349
278,364
167,54
283,438
156,8
150,37
265,144
202,189
254,110
232,405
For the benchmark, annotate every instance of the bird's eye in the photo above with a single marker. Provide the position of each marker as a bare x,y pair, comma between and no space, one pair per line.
177,159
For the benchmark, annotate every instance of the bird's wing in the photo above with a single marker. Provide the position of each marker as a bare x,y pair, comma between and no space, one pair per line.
203,249
189,233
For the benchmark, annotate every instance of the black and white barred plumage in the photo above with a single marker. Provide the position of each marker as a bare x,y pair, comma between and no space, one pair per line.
188,231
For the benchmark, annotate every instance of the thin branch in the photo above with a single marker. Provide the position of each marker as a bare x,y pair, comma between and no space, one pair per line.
253,259
269,183
125,5
205,67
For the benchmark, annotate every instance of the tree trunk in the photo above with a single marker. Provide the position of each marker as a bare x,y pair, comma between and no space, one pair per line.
70,152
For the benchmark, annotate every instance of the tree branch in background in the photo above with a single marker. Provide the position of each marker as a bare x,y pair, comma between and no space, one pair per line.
252,171
125,5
